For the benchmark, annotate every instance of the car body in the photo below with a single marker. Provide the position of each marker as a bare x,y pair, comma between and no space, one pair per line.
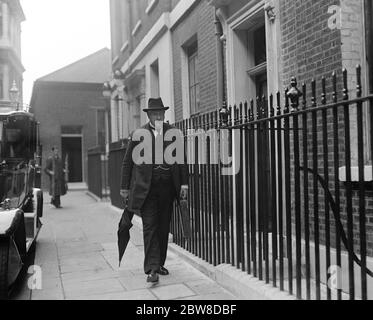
20,194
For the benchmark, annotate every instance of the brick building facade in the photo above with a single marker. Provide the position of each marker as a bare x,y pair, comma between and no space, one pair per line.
265,43
237,50
11,68
72,112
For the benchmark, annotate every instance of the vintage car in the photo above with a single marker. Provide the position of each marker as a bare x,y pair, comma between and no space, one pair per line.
20,195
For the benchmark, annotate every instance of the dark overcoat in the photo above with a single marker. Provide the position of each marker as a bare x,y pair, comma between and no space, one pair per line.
137,177
57,185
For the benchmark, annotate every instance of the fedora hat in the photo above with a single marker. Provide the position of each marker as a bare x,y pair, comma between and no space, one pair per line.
155,104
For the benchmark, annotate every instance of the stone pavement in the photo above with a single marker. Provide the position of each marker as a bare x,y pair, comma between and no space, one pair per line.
78,256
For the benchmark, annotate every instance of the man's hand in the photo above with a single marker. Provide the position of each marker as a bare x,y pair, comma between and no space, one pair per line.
184,193
124,194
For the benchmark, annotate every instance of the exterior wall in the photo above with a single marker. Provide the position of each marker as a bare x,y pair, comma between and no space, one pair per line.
148,19
199,22
10,48
148,41
57,105
310,48
161,51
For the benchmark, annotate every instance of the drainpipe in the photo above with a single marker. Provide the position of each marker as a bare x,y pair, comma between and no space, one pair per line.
369,40
220,63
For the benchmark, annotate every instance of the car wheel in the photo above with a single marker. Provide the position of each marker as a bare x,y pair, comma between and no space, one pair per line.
4,255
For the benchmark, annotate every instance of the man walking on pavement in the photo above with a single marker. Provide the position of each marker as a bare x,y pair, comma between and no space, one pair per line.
151,187
54,169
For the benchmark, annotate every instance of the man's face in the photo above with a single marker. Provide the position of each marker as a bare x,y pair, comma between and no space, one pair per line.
55,151
156,115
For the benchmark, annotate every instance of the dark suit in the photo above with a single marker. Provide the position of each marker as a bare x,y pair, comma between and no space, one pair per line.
57,186
152,193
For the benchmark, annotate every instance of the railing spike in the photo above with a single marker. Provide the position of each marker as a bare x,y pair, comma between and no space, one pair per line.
334,80
345,84
278,96
304,89
323,94
271,108
358,81
294,94
313,99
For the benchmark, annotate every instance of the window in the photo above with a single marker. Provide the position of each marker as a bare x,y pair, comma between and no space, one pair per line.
257,50
1,20
77,130
150,5
10,29
137,7
136,113
368,9
154,79
260,46
123,24
192,52
1,86
369,41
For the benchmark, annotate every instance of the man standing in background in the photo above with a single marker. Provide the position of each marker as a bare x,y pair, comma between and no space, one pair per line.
54,169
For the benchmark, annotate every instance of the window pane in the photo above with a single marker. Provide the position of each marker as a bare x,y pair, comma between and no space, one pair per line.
191,71
197,97
369,41
192,52
196,69
192,100
261,85
260,45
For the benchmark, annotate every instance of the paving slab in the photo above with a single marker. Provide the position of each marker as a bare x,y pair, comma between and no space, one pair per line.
83,289
212,296
87,275
78,254
132,295
205,287
174,291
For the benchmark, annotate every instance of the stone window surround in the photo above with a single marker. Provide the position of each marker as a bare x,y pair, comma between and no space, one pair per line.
151,6
351,86
115,60
124,47
185,76
241,21
136,28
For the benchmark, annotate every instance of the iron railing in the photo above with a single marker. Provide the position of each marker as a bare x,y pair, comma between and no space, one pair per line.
116,154
298,213
95,180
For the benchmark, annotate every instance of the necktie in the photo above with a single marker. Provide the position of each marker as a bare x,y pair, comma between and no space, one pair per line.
158,147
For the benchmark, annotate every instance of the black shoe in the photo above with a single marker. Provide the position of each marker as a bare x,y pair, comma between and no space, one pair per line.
152,277
163,271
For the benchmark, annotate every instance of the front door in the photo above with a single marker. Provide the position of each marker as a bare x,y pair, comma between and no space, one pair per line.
72,155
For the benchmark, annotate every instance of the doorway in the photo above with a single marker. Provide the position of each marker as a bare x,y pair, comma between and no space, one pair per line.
72,156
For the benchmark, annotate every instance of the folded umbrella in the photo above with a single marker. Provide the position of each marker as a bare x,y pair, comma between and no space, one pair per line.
184,217
124,227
